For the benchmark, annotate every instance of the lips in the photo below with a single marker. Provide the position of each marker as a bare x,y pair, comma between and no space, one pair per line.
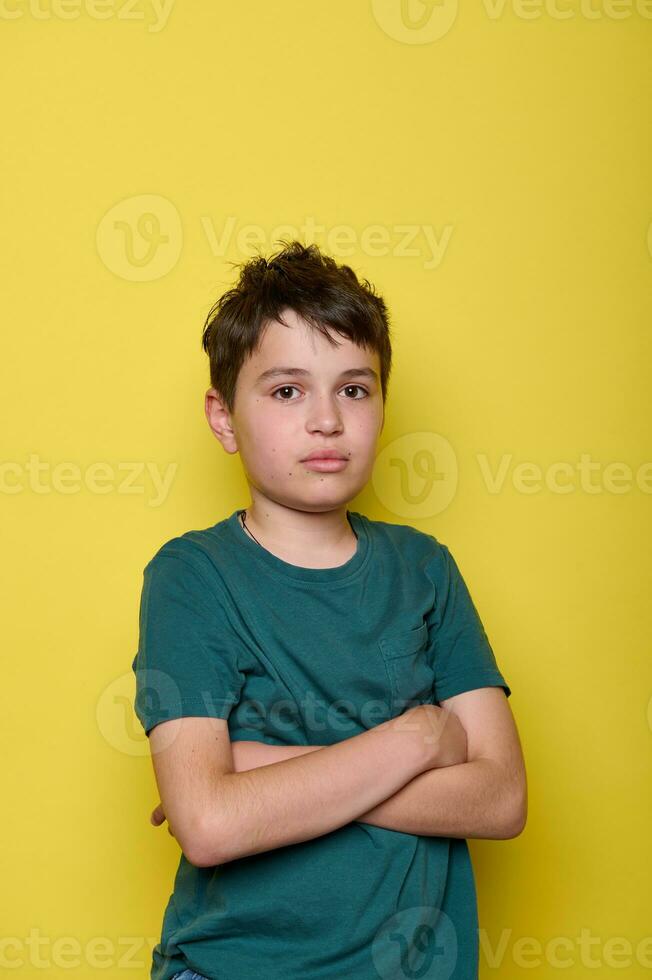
324,454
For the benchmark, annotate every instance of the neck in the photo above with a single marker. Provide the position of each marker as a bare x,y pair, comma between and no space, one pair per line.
317,539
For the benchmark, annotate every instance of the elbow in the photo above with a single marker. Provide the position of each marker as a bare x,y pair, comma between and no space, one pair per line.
215,836
207,844
203,854
198,855
193,844
514,816
515,826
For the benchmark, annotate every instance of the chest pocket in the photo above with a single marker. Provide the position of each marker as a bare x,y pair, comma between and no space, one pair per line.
410,675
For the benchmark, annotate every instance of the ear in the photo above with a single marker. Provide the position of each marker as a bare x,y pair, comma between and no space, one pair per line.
219,420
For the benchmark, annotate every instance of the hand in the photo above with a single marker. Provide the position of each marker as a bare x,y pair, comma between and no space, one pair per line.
452,748
441,734
158,817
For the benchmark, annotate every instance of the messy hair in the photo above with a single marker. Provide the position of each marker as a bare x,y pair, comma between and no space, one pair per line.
326,295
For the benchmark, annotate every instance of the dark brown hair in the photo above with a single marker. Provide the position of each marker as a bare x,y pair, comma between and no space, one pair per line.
323,293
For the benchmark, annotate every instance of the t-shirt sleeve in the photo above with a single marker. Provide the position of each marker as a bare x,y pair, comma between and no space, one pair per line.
462,654
187,662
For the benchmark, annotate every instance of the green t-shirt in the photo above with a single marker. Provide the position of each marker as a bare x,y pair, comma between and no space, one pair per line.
311,656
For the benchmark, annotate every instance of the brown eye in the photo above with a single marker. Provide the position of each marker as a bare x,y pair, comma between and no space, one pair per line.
284,388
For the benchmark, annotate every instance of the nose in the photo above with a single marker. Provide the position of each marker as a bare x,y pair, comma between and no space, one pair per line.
324,415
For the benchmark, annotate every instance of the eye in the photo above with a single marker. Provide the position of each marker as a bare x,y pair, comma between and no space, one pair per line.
360,388
284,388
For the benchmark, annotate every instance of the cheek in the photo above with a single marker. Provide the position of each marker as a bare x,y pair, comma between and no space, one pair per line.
368,426
269,444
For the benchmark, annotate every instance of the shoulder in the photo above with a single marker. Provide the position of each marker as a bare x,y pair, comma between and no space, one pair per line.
409,541
194,552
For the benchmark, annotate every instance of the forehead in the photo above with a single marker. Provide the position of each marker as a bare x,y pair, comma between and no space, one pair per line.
301,346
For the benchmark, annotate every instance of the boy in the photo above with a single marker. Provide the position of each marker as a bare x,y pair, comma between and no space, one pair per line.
326,717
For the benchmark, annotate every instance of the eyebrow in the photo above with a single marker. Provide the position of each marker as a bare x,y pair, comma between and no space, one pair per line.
276,372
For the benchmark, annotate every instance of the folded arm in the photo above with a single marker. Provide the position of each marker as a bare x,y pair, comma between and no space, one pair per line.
485,797
218,813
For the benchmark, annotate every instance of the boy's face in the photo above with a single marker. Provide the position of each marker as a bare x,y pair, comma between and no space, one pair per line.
278,420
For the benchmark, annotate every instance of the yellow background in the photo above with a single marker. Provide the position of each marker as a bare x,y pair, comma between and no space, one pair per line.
130,147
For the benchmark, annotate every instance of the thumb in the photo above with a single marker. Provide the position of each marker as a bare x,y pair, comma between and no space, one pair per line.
158,816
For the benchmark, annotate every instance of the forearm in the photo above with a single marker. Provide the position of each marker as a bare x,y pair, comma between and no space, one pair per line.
471,799
248,754
308,795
